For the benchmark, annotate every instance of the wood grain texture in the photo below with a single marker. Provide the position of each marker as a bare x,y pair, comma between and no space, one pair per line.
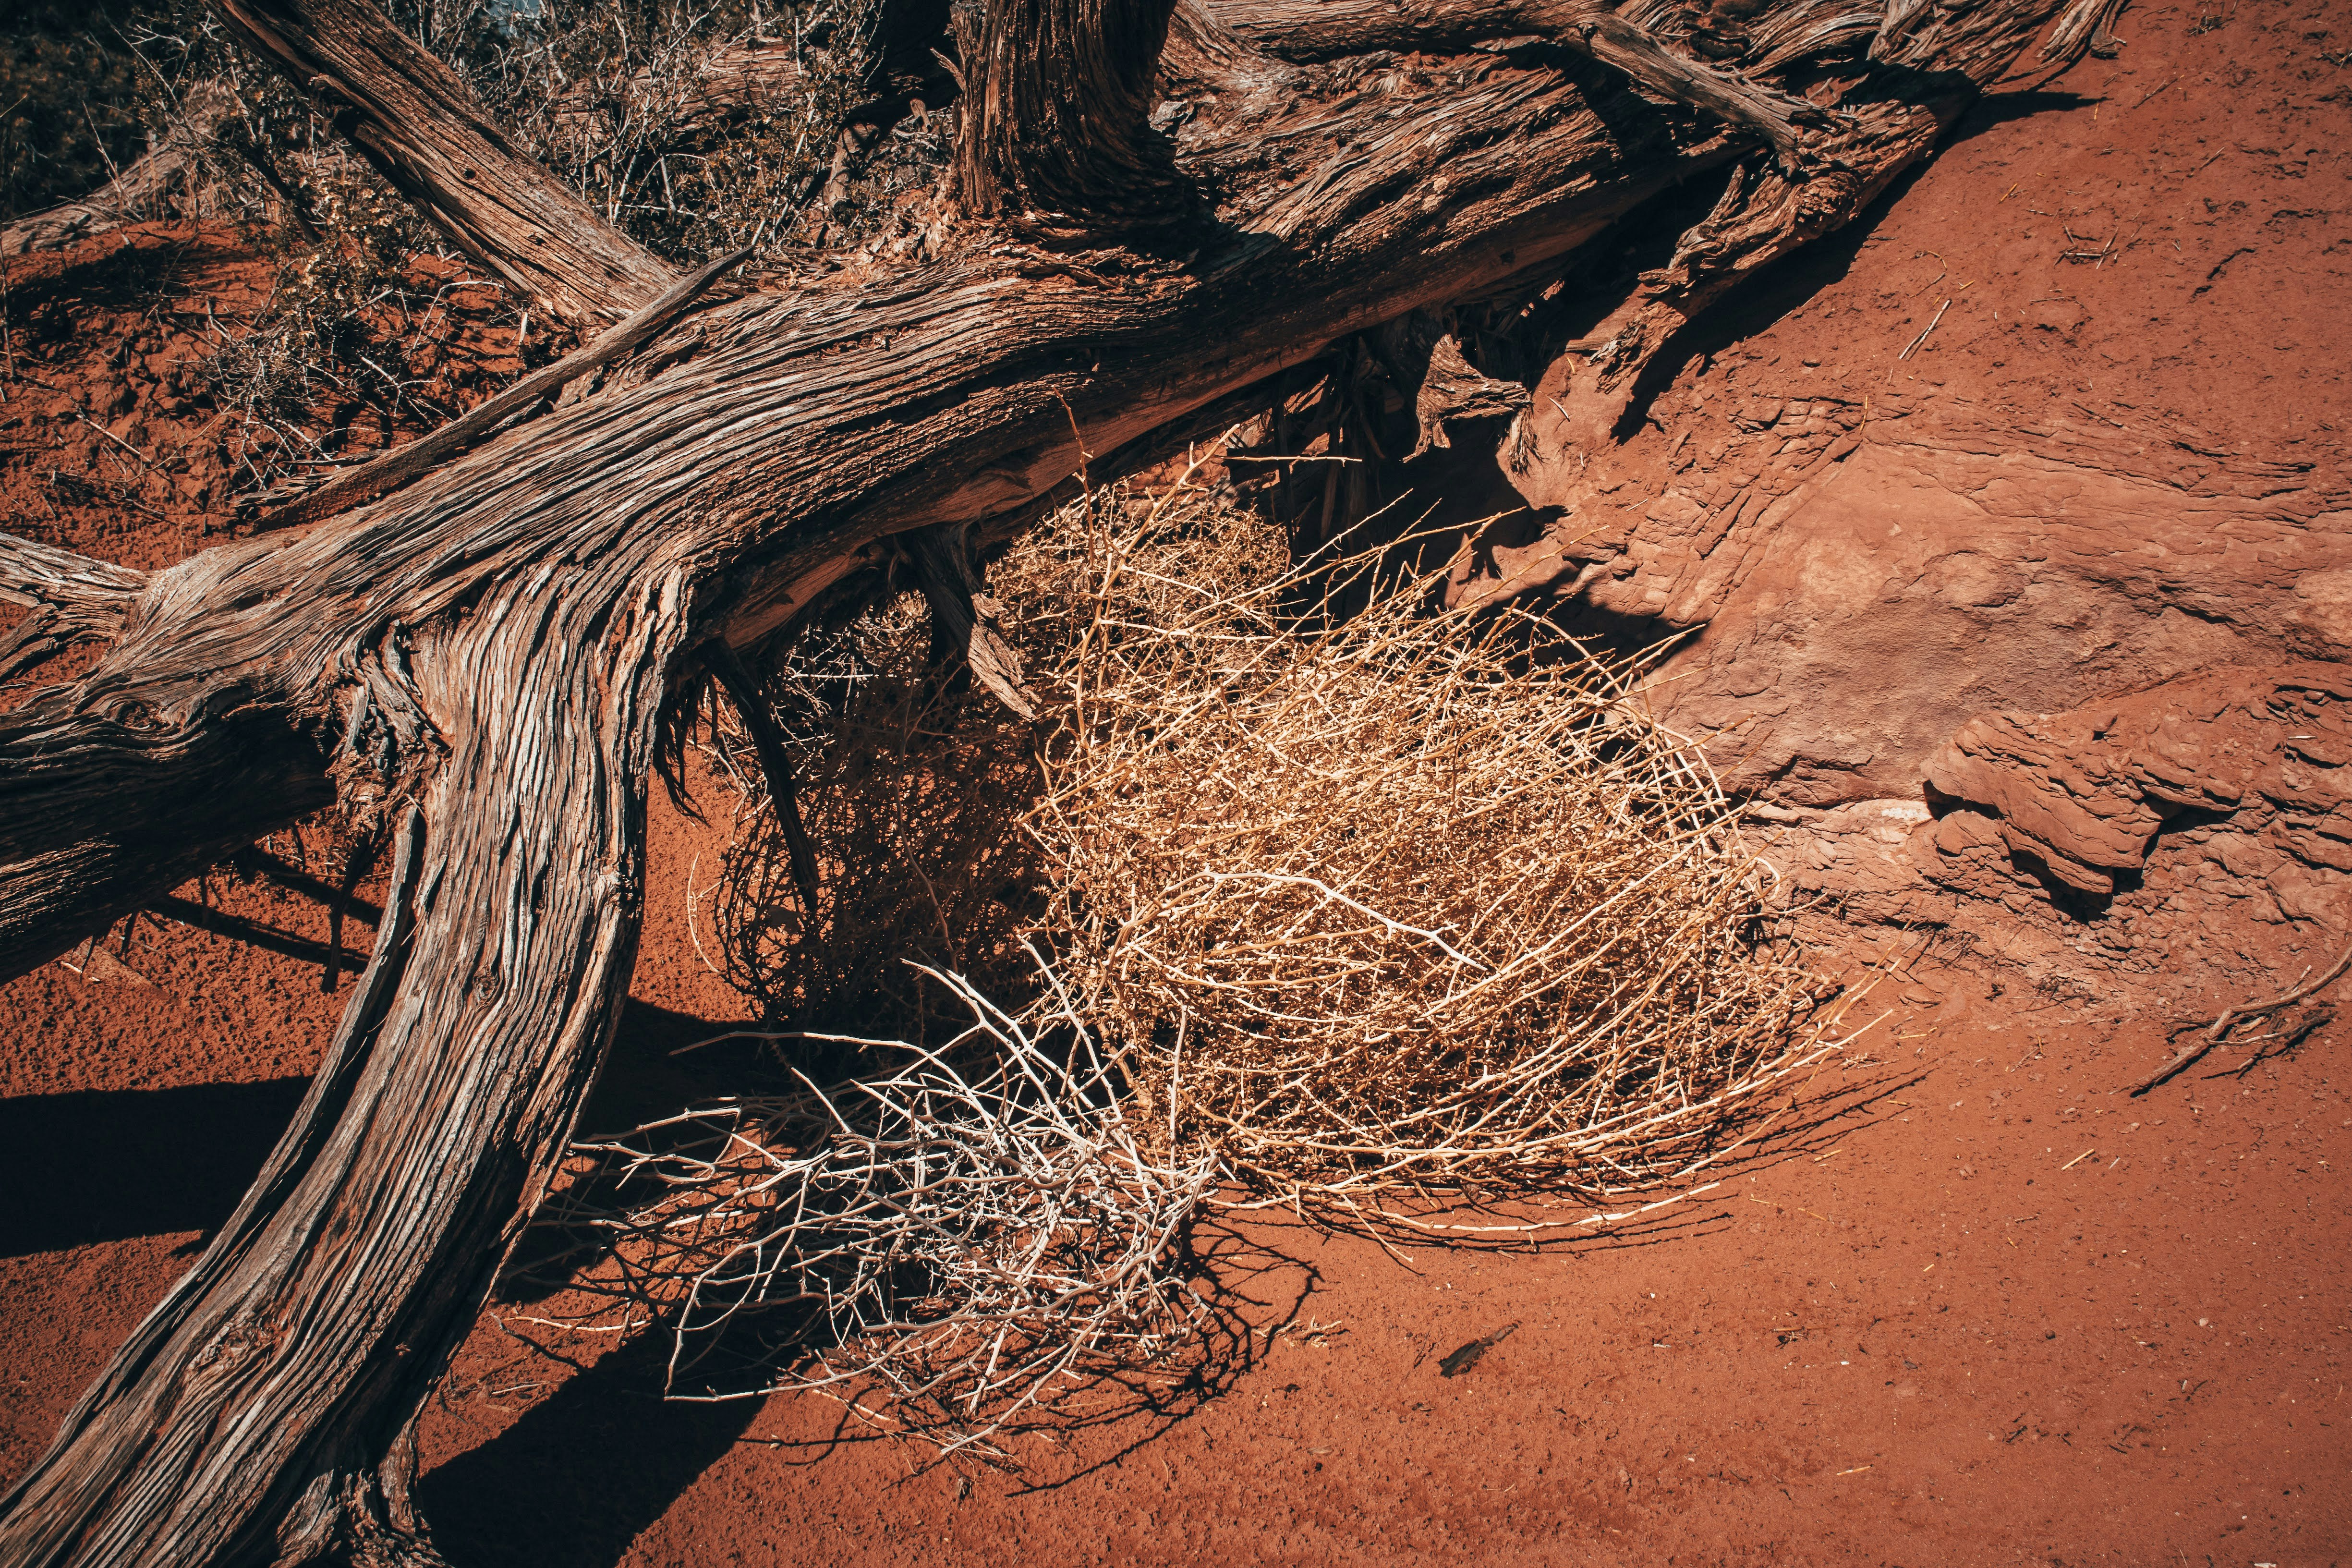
93,596
1623,38
1056,131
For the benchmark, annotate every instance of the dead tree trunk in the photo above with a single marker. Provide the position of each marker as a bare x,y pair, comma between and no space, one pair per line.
490,656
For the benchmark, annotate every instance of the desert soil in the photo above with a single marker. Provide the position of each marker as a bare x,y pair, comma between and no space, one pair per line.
1986,1307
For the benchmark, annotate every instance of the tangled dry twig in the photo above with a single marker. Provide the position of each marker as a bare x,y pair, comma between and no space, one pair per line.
978,1230
912,796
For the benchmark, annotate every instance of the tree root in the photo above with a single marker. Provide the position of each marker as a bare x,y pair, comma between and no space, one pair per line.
775,763
362,1517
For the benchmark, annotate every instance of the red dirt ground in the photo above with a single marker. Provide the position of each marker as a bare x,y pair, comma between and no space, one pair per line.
1996,1312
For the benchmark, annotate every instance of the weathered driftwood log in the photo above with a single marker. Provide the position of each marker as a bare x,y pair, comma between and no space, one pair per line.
493,656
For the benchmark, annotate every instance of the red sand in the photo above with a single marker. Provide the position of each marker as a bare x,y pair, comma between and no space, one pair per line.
1999,1313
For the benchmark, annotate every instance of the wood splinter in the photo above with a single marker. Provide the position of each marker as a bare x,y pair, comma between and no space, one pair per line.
963,616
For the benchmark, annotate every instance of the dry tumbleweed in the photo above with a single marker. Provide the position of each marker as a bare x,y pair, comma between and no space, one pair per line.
1398,900
1343,910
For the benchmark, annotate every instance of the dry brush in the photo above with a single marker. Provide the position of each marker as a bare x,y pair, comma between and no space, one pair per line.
1298,888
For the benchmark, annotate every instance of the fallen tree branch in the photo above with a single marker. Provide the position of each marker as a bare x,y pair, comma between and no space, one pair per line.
420,128
73,597
1774,116
494,654
91,594
1329,29
2216,1029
